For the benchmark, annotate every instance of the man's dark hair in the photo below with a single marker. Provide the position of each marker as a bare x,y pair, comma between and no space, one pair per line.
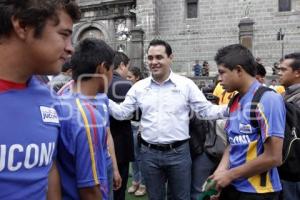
136,72
119,58
260,70
157,42
236,54
88,55
34,13
295,65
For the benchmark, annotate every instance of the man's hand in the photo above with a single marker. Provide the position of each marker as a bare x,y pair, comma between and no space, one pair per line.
117,180
222,178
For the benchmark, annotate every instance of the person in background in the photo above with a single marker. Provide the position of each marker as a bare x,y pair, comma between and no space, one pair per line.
138,183
197,68
289,77
278,88
62,78
275,68
260,73
121,130
222,95
273,84
205,70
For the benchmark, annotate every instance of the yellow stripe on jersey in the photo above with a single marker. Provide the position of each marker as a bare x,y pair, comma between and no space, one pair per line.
256,180
88,134
265,119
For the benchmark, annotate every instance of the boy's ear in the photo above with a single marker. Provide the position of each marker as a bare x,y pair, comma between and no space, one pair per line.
239,68
20,29
101,68
122,65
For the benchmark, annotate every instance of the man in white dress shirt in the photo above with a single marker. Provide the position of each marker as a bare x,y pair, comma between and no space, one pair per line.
165,100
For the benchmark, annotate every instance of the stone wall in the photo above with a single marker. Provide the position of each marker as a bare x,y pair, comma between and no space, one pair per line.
217,26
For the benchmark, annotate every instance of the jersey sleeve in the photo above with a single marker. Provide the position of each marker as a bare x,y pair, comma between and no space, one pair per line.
271,115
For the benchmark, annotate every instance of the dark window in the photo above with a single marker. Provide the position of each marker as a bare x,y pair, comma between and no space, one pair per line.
284,5
192,8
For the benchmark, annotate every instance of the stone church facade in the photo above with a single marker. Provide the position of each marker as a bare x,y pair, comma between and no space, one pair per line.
196,29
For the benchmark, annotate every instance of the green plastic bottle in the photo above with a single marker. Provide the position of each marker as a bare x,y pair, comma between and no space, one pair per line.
209,189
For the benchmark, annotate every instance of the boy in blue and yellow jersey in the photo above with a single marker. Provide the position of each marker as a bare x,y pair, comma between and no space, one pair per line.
248,167
35,39
82,142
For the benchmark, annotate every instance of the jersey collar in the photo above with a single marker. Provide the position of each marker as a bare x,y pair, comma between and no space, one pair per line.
9,85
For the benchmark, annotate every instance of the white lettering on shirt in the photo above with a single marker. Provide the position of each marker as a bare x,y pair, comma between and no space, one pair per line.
16,156
11,156
240,139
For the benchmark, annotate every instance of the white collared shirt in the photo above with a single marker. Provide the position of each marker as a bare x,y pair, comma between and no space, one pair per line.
165,108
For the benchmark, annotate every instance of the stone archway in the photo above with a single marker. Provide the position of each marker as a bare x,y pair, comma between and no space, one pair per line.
91,29
91,32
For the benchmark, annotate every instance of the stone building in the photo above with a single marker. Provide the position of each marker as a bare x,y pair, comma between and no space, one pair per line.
194,28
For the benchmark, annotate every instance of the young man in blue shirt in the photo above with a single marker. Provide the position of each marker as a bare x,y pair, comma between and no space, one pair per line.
82,142
35,39
248,167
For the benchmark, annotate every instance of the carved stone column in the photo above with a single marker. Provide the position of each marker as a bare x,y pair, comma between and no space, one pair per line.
246,32
136,48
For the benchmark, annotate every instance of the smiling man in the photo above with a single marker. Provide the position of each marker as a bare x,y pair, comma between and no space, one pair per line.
248,167
35,39
165,100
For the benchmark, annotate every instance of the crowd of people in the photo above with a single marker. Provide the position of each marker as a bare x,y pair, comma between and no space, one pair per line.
75,137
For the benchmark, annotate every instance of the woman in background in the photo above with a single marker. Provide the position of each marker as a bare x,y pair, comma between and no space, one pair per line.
138,187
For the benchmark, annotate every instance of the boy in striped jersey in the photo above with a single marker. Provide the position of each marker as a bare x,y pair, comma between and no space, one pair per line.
81,155
248,168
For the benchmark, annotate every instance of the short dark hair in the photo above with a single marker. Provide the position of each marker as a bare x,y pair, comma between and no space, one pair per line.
260,70
236,54
157,42
34,13
119,58
88,55
295,65
136,72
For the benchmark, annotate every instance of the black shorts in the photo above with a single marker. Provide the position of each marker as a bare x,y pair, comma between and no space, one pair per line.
230,193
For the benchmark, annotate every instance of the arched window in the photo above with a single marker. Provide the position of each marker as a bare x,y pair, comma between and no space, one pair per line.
91,33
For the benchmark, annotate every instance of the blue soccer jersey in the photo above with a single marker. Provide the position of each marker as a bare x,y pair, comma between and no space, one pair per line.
29,132
246,143
102,100
81,155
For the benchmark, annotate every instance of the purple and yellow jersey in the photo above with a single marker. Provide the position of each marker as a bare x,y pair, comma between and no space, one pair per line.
246,143
81,157
29,132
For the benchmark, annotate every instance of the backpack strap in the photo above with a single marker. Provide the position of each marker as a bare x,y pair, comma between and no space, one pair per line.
232,100
255,100
253,121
